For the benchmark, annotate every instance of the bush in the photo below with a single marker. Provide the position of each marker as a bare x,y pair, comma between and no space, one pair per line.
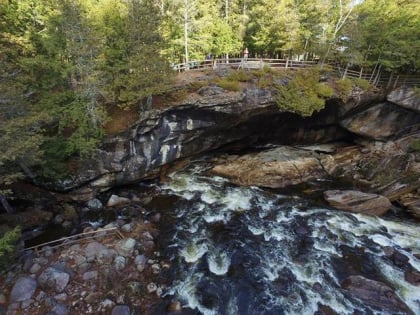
415,145
303,94
363,84
229,85
239,75
344,87
196,85
265,82
8,246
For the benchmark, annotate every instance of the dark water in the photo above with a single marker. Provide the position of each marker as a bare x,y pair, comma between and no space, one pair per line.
238,250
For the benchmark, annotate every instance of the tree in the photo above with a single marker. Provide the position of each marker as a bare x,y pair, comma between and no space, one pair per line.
273,31
146,72
387,33
21,122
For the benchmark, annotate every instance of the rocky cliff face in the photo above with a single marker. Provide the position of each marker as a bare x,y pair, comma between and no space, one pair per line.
213,118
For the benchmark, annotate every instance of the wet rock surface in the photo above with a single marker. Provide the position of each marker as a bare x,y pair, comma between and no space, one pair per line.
356,201
279,167
376,294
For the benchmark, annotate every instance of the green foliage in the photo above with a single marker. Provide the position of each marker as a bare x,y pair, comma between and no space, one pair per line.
303,94
387,32
196,85
415,145
239,75
263,71
344,87
62,63
8,246
229,85
362,84
265,82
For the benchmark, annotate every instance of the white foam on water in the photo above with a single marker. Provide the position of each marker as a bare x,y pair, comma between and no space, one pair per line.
237,199
232,307
193,252
218,262
255,230
408,292
186,290
329,230
218,217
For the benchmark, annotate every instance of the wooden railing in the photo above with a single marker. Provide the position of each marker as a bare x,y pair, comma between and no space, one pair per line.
241,63
380,78
377,78
77,238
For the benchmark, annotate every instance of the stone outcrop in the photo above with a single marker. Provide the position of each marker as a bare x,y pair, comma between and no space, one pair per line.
213,118
204,121
408,98
382,121
376,294
279,167
358,202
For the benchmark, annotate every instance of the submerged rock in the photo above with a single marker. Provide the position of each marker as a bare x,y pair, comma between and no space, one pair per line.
376,294
356,201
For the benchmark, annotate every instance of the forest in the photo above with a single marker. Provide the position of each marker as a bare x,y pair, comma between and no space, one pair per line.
64,62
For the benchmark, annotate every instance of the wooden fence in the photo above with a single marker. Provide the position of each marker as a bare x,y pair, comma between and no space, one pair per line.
77,238
380,78
240,63
375,77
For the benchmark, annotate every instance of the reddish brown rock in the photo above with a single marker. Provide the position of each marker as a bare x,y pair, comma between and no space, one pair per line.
376,294
356,201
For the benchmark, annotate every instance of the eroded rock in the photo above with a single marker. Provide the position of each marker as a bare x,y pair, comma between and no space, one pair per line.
357,201
376,294
274,168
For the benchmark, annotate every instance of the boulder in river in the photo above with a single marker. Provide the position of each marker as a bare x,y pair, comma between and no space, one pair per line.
376,294
356,201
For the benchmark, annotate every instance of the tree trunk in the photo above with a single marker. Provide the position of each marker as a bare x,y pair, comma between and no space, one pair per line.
6,205
186,35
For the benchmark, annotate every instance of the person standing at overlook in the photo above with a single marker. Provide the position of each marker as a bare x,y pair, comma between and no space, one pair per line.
246,53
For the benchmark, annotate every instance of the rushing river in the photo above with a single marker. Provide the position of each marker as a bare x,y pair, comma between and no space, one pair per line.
246,250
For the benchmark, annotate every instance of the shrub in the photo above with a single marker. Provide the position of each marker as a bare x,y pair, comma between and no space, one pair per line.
344,87
229,85
8,246
265,82
363,84
239,75
303,94
196,85
177,95
415,145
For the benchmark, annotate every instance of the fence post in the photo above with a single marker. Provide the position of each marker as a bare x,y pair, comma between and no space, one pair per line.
389,80
287,62
395,83
345,70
